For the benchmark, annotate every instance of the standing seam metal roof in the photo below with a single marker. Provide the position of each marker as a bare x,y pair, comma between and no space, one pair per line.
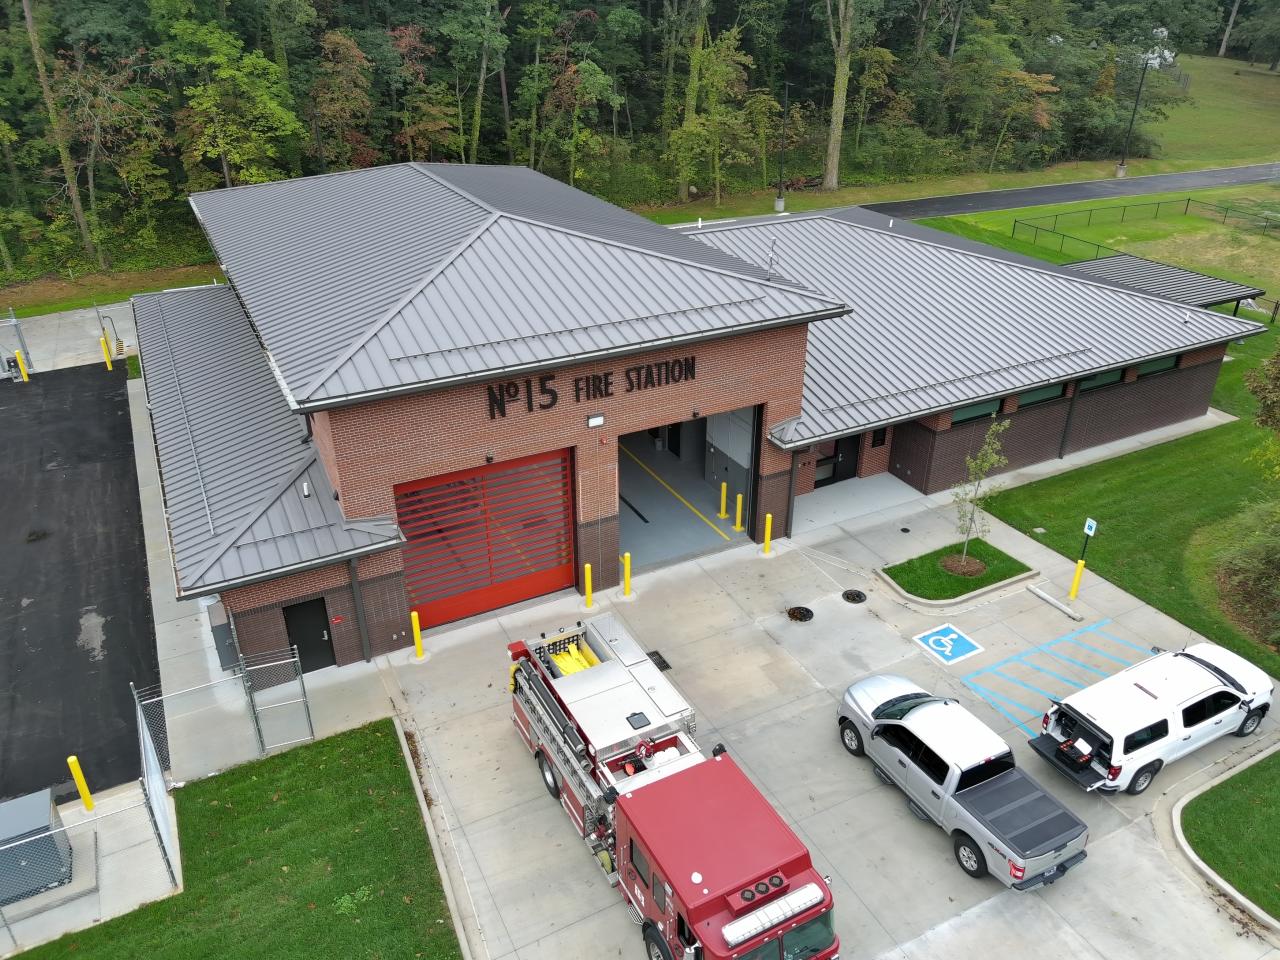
933,327
403,277
1165,280
232,461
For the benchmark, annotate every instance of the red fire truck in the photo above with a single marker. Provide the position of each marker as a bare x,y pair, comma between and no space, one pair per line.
707,867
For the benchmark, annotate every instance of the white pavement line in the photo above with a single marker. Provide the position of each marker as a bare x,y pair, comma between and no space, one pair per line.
401,715
1035,588
1243,902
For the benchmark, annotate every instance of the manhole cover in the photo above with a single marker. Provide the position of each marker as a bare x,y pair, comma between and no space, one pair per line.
34,535
800,614
659,660
854,596
905,529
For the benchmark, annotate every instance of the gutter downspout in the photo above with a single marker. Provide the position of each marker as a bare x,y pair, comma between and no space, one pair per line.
359,602
1071,411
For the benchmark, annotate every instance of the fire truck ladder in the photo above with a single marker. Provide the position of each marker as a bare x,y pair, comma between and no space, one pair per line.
556,733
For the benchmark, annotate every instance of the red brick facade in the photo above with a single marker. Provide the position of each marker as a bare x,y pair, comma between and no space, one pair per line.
873,460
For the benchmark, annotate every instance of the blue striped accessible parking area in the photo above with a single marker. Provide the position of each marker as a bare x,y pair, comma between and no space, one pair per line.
1021,686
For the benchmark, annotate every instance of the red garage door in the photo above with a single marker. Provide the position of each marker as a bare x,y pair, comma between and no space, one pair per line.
481,539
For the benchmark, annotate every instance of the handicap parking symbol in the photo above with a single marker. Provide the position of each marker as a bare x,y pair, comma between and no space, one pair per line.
947,644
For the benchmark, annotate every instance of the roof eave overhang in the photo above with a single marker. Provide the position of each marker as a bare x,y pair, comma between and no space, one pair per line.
205,590
791,445
507,371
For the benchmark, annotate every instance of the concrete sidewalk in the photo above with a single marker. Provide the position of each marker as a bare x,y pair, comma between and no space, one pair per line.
70,338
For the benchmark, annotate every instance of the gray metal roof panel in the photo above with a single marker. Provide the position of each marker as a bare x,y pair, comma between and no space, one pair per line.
524,294
327,265
230,450
1165,280
934,327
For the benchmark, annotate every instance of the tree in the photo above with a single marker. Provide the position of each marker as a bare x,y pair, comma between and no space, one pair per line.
873,86
696,17
579,89
427,123
1022,94
289,22
59,127
238,110
762,114
720,133
475,29
1260,32
340,105
1226,34
1264,384
844,30
969,497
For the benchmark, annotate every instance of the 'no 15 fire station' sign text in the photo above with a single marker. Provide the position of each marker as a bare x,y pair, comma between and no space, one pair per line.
540,393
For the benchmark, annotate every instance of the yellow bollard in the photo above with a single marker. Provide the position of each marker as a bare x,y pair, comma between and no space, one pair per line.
417,634
737,519
78,776
626,574
1075,581
106,354
768,532
586,582
22,366
724,501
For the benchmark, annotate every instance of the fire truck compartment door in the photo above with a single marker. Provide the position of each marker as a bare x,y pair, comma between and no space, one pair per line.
605,631
662,693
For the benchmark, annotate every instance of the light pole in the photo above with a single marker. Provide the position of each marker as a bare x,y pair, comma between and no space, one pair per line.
1151,58
780,201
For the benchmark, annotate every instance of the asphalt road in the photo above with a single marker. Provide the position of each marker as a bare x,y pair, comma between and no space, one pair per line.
1068,192
75,614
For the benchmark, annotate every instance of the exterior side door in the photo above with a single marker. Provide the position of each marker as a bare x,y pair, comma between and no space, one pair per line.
895,747
1205,719
927,773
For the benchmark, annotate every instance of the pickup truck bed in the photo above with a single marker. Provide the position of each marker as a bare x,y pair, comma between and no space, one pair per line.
1018,812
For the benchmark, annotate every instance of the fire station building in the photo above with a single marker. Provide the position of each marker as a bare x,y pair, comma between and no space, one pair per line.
447,388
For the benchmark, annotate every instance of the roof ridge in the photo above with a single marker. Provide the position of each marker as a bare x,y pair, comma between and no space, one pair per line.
372,329
310,176
229,539
707,268
420,167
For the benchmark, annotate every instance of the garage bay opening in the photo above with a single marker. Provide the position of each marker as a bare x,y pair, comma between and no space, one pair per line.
669,486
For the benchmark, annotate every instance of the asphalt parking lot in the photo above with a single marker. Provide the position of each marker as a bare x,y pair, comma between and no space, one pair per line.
75,615
767,687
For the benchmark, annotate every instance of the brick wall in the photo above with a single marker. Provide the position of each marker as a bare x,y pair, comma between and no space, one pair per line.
257,610
806,467
873,460
1158,400
380,444
1034,435
1193,358
912,453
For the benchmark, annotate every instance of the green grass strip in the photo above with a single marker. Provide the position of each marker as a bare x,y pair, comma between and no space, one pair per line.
925,577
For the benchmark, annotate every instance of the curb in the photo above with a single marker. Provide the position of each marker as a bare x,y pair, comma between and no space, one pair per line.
954,601
1209,874
445,883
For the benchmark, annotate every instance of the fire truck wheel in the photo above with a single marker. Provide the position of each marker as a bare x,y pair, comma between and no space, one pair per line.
969,856
654,948
851,738
549,777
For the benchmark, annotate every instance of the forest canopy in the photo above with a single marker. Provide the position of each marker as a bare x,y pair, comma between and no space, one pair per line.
112,111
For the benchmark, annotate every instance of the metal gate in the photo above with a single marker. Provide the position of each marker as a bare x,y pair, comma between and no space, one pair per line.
481,539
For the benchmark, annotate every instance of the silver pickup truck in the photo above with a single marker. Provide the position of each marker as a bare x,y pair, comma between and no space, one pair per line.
958,773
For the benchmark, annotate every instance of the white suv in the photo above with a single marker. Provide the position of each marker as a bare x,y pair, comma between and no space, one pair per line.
1118,733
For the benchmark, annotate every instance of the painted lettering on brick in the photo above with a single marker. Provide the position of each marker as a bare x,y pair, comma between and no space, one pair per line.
536,393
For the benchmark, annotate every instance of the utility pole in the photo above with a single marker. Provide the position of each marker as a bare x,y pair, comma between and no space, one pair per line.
780,201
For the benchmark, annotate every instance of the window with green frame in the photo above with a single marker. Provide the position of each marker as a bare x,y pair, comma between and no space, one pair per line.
1103,379
1158,365
975,411
1041,395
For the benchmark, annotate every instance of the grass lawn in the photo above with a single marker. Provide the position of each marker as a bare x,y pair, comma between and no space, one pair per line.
925,577
54,294
1233,827
317,852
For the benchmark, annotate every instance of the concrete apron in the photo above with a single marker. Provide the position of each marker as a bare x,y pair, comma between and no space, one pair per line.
767,687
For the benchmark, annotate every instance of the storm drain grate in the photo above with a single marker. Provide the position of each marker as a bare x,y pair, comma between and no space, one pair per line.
800,614
659,660
854,596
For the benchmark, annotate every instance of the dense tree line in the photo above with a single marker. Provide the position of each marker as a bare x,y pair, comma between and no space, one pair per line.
112,110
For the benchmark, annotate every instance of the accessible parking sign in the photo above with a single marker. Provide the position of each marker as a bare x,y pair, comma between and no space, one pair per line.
947,644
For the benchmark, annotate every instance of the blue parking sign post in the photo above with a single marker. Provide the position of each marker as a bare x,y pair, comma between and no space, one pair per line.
948,644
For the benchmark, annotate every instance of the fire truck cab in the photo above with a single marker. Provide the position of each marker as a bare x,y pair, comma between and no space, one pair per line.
706,865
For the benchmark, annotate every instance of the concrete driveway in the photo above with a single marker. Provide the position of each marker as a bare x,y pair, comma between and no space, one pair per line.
767,687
